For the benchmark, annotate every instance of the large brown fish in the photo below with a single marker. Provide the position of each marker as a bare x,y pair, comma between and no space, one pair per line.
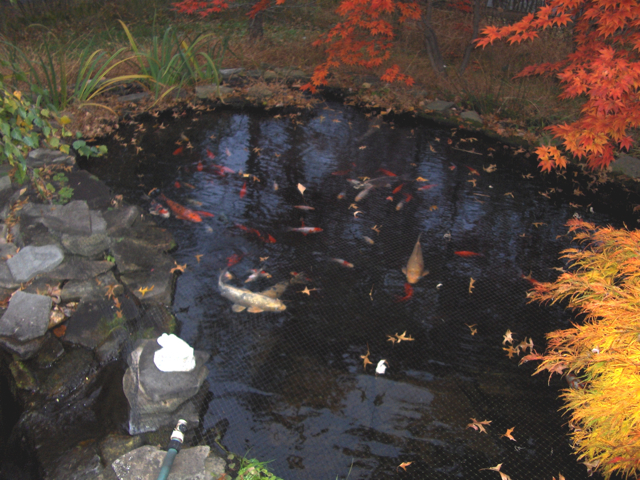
415,266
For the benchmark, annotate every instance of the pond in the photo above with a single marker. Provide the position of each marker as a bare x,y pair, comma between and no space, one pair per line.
293,385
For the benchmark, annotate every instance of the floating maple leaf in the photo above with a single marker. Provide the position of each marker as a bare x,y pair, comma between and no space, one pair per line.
503,476
508,434
508,337
479,425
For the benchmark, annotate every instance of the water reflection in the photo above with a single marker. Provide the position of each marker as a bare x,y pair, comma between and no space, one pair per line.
292,384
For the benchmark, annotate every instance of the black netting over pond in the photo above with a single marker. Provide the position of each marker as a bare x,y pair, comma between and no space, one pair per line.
292,386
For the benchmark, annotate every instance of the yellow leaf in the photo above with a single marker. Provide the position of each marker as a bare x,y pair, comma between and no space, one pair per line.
65,120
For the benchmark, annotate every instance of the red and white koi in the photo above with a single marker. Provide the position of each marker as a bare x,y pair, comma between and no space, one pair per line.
159,210
342,262
256,275
305,230
303,207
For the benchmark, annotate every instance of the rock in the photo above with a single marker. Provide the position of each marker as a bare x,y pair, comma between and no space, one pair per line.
49,353
269,75
148,235
79,268
109,350
90,189
5,184
115,445
439,106
41,157
88,246
70,374
23,350
158,317
6,279
157,285
23,377
27,317
93,288
227,73
132,256
211,91
144,463
95,319
120,219
73,218
31,231
31,261
471,116
626,165
259,92
82,463
133,97
7,250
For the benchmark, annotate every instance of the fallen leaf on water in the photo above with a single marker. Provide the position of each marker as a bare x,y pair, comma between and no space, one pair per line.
510,194
433,208
308,291
503,476
491,168
508,337
362,147
403,466
179,268
538,224
111,291
198,257
404,337
508,434
376,229
472,181
302,188
471,286
420,179
365,358
511,351
144,290
477,425
473,328
392,339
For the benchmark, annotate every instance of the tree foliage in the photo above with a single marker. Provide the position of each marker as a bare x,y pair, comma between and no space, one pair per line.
604,68
603,284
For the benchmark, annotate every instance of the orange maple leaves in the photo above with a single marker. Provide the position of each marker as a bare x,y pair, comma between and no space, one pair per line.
604,68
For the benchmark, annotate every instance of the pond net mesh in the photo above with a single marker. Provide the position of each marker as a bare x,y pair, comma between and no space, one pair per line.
365,376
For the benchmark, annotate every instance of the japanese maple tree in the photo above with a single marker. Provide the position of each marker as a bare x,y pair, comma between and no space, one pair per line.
604,68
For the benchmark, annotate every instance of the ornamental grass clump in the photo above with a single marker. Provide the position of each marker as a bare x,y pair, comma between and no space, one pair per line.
603,351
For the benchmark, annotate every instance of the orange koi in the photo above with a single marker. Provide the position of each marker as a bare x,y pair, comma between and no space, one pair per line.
408,293
466,253
270,239
210,154
243,190
408,198
397,189
303,207
472,171
176,184
199,167
341,195
305,230
234,259
204,214
342,262
427,187
387,172
248,229
178,151
183,213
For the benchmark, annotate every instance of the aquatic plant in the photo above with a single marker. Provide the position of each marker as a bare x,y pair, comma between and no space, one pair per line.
602,351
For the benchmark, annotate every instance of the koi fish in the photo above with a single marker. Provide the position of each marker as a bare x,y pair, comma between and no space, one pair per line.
303,207
427,187
234,259
210,154
243,190
364,193
399,205
203,213
344,263
387,172
247,229
355,183
408,293
415,266
472,171
178,151
183,213
269,239
368,240
244,299
256,275
157,209
176,184
465,253
397,189
305,230
199,166
275,187
341,195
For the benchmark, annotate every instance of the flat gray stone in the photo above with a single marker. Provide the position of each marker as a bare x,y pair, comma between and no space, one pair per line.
120,219
27,316
79,268
160,283
626,165
92,288
115,445
7,250
144,463
89,188
41,157
73,218
98,223
23,350
259,92
90,246
31,261
439,106
227,73
5,183
471,116
132,256
133,97
6,279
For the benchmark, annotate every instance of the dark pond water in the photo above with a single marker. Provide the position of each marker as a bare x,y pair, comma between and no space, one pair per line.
292,384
